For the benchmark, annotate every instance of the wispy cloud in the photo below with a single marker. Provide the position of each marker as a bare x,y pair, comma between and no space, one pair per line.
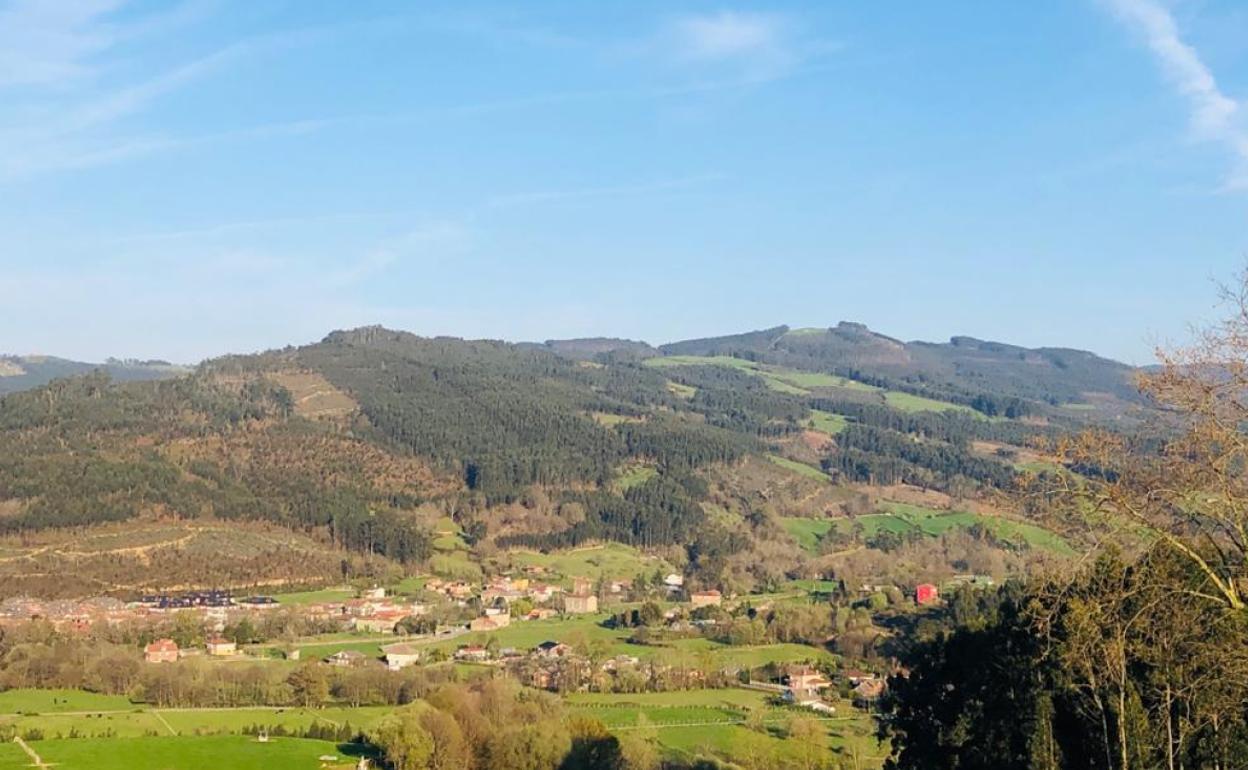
60,99
730,35
47,43
1214,115
761,44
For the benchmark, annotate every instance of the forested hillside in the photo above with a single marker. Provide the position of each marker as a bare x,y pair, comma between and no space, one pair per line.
364,439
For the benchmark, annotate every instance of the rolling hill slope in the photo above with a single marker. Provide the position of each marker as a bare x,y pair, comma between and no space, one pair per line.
359,444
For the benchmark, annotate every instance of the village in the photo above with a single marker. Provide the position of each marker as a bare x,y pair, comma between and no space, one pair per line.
495,619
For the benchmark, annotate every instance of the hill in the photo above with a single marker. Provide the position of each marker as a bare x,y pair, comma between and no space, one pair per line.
364,443
19,373
962,370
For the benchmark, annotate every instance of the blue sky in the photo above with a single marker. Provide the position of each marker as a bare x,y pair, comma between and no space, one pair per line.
180,180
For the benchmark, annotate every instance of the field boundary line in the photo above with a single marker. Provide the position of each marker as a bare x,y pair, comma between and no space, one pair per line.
164,722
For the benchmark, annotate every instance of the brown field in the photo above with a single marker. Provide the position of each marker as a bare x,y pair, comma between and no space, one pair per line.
315,398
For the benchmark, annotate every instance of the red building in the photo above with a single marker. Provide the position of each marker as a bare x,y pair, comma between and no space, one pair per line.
161,651
926,593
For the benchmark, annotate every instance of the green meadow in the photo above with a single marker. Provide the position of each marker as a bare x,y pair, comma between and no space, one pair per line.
827,421
610,560
901,518
907,402
809,471
236,752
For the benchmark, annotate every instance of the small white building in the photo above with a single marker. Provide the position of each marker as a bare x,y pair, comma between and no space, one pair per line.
400,656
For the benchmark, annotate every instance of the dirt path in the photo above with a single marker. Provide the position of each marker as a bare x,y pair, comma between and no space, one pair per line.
165,722
38,760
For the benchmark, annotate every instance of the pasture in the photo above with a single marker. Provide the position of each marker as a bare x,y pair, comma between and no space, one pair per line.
901,518
828,422
610,560
236,752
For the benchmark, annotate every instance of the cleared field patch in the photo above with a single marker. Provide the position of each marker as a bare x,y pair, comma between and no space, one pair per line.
773,381
807,532
907,402
634,475
828,422
682,390
314,397
808,471
610,420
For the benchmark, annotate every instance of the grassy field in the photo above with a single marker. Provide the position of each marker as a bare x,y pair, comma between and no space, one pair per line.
235,752
901,518
907,402
807,531
808,471
802,383
682,390
54,701
668,711
456,565
409,585
137,722
828,422
207,739
777,378
13,758
316,597
633,475
612,560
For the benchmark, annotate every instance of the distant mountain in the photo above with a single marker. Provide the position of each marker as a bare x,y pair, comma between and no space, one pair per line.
961,368
586,348
18,373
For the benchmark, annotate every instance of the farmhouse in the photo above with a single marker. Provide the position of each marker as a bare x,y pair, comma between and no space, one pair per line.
346,658
674,581
161,651
221,647
400,656
580,604
711,598
474,652
551,649
806,681
490,623
379,622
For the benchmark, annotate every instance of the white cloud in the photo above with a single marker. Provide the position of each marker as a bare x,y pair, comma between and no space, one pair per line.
761,44
728,34
1214,115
